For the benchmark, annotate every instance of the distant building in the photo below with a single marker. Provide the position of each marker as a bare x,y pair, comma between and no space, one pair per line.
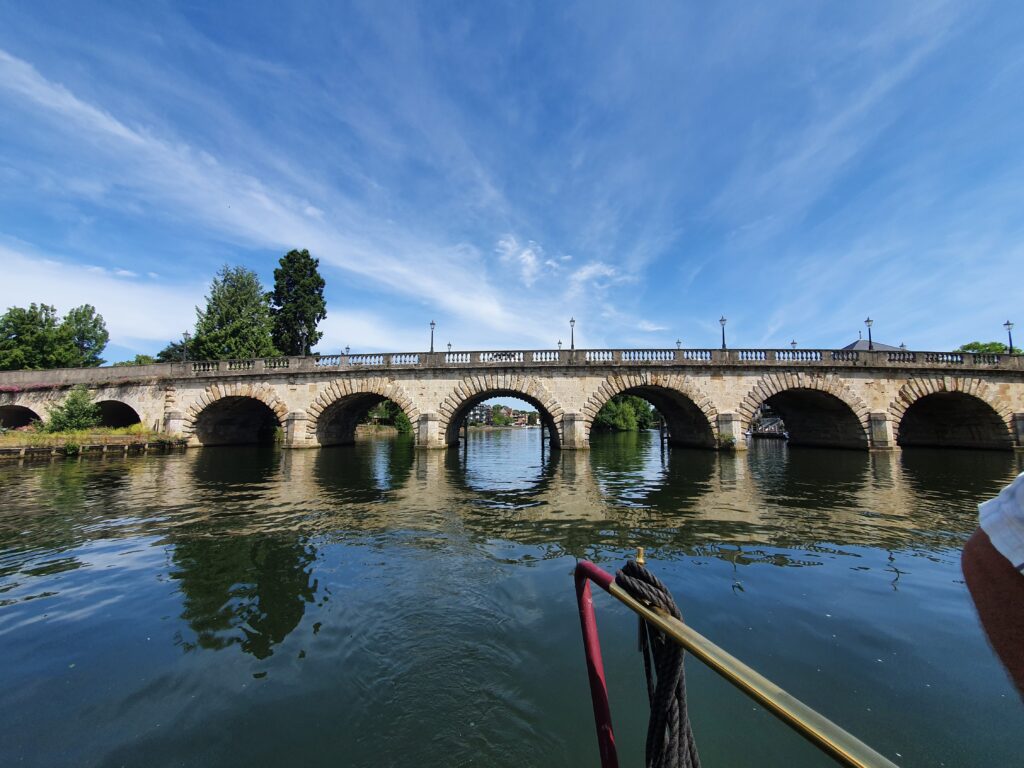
480,414
861,345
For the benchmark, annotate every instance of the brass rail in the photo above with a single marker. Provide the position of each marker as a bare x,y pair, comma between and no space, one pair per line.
812,725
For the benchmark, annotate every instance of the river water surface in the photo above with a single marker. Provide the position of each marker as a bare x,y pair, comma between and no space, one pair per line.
377,606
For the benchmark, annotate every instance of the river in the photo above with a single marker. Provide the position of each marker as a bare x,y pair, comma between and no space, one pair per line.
372,605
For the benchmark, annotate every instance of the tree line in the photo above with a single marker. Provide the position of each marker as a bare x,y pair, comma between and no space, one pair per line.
240,320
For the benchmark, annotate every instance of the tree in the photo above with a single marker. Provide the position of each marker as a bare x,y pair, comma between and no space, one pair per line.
986,347
498,417
236,322
139,360
174,352
82,337
35,339
78,411
625,413
28,338
297,303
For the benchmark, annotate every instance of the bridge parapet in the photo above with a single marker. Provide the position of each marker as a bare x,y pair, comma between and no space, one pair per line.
794,359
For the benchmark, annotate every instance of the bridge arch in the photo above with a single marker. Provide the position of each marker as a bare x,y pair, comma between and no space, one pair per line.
817,409
115,413
689,414
475,389
335,413
14,416
951,412
235,414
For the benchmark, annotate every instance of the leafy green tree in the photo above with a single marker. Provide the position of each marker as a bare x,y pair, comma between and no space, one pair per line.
498,417
236,322
174,352
388,413
139,360
986,347
35,339
297,303
82,337
28,338
78,411
625,413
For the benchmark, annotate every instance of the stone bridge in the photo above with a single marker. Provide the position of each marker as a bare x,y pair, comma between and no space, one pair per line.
835,398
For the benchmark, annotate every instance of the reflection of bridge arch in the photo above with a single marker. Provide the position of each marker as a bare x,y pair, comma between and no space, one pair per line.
335,413
115,413
473,390
950,412
14,416
691,417
234,414
817,409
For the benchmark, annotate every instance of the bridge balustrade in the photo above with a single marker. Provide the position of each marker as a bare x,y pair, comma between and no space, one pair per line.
274,363
240,365
405,358
757,355
944,357
599,355
366,359
326,361
699,355
456,358
645,355
845,355
501,357
544,356
205,366
798,355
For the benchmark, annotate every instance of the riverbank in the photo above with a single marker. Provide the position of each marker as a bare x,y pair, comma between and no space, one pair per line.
19,444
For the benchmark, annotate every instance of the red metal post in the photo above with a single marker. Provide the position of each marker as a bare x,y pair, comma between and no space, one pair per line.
595,666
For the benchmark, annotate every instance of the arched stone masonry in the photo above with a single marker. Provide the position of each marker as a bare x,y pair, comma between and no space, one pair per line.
341,389
498,384
649,382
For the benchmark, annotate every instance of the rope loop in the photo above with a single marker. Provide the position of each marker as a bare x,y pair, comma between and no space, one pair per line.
670,742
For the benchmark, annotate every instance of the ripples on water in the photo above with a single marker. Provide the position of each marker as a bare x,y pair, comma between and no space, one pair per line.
374,605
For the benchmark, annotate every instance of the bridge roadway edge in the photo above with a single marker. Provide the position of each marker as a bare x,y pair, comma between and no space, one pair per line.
878,386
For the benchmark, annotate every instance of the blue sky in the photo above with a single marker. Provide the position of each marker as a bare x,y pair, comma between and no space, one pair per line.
499,168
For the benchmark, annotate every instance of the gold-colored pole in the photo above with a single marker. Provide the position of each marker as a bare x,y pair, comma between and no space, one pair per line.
814,726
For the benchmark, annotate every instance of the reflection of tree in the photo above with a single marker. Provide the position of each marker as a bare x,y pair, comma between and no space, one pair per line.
368,471
249,590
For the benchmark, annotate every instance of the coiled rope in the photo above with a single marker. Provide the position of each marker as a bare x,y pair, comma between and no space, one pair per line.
670,742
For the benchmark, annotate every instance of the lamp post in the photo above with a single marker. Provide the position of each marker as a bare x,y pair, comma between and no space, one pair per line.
903,347
869,322
572,333
1009,336
449,346
722,321
792,344
346,350
184,346
679,344
432,326
559,345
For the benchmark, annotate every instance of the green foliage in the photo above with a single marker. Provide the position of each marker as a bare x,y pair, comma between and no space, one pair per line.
727,443
532,418
139,360
35,339
297,303
174,352
71,449
83,337
78,411
389,414
986,347
625,413
236,322
498,418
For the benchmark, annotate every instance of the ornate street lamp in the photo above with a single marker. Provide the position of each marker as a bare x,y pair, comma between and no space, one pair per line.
572,333
184,346
449,346
559,344
722,321
432,326
792,344
869,322
1009,327
346,350
679,344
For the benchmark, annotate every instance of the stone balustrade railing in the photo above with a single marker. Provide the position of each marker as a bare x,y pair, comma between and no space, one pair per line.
740,358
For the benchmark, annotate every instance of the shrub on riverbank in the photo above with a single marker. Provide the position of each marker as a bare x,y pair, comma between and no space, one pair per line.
77,412
32,438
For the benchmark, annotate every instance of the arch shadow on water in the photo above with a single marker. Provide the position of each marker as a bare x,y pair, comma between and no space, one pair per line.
480,467
808,479
367,471
636,469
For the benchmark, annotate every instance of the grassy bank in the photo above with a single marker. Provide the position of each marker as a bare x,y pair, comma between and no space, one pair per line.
29,438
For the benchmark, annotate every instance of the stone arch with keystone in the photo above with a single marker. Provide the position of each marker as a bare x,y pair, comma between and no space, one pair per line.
356,396
817,409
474,389
951,411
689,413
233,392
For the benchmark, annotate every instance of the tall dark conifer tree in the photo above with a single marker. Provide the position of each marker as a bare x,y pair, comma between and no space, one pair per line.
297,303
